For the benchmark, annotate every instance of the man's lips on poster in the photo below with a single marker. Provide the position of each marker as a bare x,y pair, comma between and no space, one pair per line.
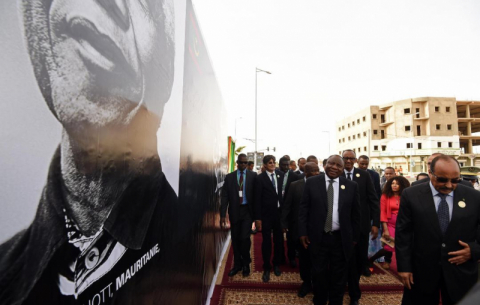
98,50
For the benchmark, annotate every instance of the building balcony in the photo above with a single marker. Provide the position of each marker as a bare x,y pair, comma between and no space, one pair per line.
384,124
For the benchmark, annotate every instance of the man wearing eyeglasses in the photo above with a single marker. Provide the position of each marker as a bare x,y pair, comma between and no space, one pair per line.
370,221
436,242
237,194
429,162
267,214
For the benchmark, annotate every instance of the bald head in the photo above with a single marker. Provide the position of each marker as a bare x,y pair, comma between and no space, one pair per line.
311,169
432,156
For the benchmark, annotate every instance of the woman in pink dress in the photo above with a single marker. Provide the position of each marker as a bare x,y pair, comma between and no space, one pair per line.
389,206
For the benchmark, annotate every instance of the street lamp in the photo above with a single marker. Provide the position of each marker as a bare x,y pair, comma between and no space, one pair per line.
256,72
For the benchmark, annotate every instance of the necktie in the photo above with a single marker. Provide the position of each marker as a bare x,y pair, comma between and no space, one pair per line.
329,221
273,181
240,183
348,176
443,213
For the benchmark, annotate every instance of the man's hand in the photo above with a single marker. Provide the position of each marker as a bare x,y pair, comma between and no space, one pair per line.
407,279
223,222
461,256
305,241
258,225
374,232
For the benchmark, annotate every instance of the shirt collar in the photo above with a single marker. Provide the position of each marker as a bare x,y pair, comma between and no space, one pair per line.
269,173
130,217
435,192
334,180
351,172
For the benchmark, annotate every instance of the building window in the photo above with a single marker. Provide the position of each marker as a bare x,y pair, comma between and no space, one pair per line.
358,121
409,145
375,131
407,128
353,137
353,123
437,126
339,140
374,116
343,140
365,148
419,145
437,109
384,147
340,129
439,144
406,110
358,136
364,118
447,109
364,133
348,125
450,144
449,126
375,147
343,127
349,138
354,150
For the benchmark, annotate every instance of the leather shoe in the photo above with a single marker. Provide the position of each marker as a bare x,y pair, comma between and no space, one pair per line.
367,272
234,271
304,290
293,263
246,271
353,302
266,276
277,271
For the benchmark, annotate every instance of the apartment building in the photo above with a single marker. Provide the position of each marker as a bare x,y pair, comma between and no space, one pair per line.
404,133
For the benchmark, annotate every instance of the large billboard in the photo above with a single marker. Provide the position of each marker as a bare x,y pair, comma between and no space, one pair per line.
114,153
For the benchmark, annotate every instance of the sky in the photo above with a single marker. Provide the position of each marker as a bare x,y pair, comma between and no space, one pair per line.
330,59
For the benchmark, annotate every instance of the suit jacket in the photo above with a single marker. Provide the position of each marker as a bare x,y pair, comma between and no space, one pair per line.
423,250
369,203
291,207
230,197
462,182
314,208
291,178
376,182
266,197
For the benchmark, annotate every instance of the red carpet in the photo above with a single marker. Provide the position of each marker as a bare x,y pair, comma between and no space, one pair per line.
383,287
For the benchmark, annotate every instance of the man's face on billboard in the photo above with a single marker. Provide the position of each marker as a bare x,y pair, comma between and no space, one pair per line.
105,58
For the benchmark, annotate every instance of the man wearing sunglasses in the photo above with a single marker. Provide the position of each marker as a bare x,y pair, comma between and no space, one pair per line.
267,214
370,222
436,242
237,195
429,162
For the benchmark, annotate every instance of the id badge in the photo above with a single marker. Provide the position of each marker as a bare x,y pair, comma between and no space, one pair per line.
240,193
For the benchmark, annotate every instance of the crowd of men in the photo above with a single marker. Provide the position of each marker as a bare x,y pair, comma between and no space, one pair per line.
330,217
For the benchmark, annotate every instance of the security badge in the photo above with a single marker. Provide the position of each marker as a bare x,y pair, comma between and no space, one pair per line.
240,193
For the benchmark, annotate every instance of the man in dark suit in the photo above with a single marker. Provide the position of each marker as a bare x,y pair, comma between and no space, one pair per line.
301,166
429,163
289,177
329,225
370,207
290,225
267,213
363,162
436,239
237,195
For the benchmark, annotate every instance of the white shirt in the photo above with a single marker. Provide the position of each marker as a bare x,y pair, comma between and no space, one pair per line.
437,199
276,183
351,173
336,187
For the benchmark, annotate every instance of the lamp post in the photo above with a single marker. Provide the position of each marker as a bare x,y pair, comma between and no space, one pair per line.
256,142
